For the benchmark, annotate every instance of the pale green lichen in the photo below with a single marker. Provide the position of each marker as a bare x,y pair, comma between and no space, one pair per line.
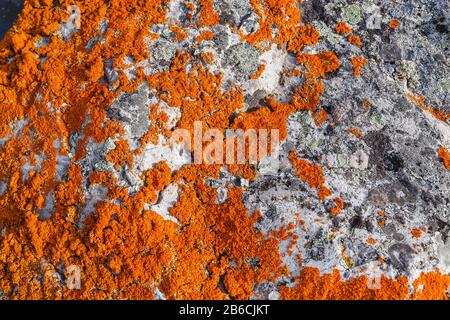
376,120
164,51
351,14
244,57
445,85
342,160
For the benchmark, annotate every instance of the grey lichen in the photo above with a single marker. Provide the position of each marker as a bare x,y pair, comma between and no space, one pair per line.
244,57
164,51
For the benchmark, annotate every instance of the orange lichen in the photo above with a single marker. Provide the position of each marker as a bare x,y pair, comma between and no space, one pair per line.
431,286
180,33
438,114
207,57
208,17
419,101
95,70
123,249
308,35
190,7
355,40
343,29
358,64
313,286
205,35
258,73
311,173
367,104
394,24
445,156
158,127
121,155
339,205
284,16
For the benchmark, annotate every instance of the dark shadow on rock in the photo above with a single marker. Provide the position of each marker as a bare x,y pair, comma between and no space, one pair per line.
9,10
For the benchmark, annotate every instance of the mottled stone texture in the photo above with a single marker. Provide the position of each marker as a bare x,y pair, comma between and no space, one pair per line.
374,138
8,14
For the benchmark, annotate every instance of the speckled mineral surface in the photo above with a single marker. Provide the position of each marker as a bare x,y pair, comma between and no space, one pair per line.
225,149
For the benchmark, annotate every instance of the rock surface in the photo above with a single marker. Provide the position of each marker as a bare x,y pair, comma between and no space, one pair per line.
353,202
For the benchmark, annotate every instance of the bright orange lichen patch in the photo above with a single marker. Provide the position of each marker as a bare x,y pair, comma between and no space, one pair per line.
355,40
207,57
94,71
445,156
431,286
158,127
358,64
208,16
259,72
381,220
205,35
320,117
284,15
121,155
367,104
311,173
356,132
123,249
343,29
394,24
416,233
313,286
339,205
438,114
180,33
308,35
